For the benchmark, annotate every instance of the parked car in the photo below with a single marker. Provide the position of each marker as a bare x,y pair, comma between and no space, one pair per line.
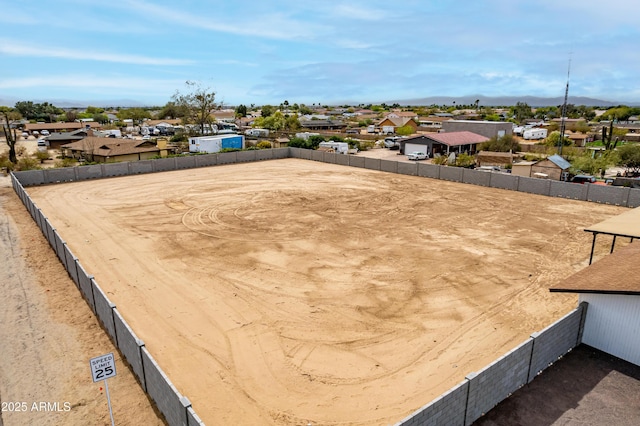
583,179
42,145
44,132
488,169
417,155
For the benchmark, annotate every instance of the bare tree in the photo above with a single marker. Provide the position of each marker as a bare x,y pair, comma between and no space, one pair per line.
199,103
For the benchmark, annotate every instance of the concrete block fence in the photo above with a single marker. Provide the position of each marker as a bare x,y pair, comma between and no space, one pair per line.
175,407
628,197
481,391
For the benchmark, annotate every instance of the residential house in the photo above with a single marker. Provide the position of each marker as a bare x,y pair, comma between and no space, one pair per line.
57,139
110,150
435,144
322,125
611,288
61,126
391,124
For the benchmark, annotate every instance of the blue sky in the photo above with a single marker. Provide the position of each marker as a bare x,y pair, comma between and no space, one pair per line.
257,52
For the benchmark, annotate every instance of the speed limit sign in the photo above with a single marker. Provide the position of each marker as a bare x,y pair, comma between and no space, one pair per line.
103,367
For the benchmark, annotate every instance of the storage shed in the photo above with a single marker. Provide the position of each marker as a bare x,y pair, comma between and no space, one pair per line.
554,167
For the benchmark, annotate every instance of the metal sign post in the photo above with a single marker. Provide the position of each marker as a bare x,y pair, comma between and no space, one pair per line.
102,368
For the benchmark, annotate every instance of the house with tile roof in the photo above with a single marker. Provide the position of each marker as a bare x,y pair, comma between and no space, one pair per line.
110,150
435,144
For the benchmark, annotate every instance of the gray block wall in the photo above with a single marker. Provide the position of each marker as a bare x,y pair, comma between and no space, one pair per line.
605,194
355,161
555,341
567,190
104,310
137,167
206,160
264,154
453,174
227,157
164,164
130,346
187,162
50,235
316,155
93,171
115,169
167,398
295,152
343,160
534,185
448,409
389,166
497,381
633,199
504,181
65,174
280,153
410,169
246,156
192,418
86,288
71,264
475,177
429,170
371,163
59,248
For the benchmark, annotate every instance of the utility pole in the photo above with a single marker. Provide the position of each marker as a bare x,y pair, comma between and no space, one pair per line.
564,111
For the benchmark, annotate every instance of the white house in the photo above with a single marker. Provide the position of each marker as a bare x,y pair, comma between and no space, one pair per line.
611,287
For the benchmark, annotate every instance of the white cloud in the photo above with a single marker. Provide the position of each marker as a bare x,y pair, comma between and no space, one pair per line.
11,47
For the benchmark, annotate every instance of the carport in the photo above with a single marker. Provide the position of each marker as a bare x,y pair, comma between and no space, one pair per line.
626,225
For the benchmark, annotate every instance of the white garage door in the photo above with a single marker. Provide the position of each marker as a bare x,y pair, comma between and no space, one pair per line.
411,147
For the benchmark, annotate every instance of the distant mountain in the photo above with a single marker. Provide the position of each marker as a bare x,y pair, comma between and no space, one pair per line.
533,101
66,103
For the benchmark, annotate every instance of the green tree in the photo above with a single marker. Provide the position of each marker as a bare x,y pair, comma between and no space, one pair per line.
506,143
171,110
404,130
582,127
629,157
521,111
241,111
135,114
267,110
10,116
554,138
198,103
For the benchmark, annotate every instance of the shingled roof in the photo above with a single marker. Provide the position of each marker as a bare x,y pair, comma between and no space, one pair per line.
110,147
457,138
617,273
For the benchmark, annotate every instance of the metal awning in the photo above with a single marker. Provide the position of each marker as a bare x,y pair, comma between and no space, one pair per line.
624,225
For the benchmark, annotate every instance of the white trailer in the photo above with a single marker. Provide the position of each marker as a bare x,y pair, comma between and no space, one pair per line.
213,144
338,147
534,133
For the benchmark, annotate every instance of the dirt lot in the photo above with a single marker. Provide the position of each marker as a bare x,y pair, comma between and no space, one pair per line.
295,292
48,334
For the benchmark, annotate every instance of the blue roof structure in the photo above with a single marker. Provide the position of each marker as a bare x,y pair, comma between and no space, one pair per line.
559,161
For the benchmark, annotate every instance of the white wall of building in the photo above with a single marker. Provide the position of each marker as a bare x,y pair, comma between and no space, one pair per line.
613,324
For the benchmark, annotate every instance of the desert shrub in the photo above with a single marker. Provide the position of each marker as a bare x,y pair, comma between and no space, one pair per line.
41,156
442,160
28,163
65,162
465,160
263,145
